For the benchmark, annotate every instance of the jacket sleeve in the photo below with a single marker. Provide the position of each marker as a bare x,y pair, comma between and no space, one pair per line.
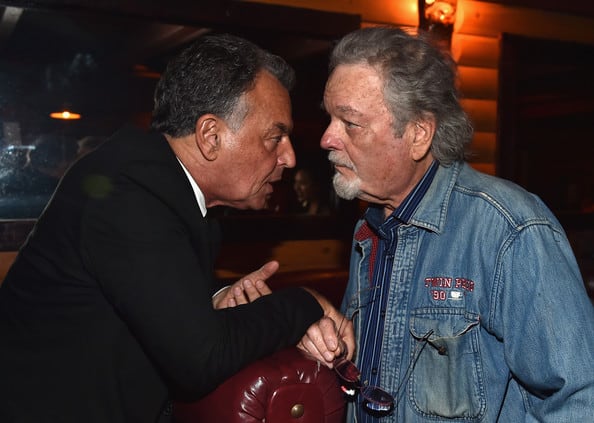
546,321
149,268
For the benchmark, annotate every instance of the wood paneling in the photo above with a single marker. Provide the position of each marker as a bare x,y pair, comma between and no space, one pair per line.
483,114
482,148
490,19
478,83
475,51
576,7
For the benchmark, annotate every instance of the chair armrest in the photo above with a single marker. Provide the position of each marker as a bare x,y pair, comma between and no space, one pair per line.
285,387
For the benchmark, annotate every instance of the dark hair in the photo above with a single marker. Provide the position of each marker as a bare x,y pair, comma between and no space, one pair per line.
419,79
210,76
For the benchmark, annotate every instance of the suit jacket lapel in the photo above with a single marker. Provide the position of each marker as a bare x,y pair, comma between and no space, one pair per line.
162,173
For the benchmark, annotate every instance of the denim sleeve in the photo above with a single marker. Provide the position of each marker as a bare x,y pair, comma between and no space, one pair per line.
350,300
546,322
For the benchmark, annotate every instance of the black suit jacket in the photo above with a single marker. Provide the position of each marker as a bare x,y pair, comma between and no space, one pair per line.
107,309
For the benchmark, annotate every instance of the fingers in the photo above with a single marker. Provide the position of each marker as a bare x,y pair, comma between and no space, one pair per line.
346,332
321,341
347,336
243,292
232,296
252,291
253,285
239,294
247,289
324,342
264,272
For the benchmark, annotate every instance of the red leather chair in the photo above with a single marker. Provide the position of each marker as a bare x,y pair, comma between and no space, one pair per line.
285,387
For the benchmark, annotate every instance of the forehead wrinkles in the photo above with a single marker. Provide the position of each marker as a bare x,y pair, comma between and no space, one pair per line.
355,90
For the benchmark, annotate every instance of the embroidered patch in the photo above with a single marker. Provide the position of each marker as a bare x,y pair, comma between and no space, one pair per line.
445,288
456,295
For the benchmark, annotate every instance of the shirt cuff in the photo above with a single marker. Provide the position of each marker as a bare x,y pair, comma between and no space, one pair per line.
219,291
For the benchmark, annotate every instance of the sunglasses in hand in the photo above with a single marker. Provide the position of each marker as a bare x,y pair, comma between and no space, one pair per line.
375,398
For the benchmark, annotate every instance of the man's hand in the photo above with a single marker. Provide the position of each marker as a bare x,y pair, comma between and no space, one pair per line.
326,339
247,289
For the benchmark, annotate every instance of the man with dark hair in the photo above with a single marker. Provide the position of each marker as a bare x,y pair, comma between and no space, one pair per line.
111,306
468,302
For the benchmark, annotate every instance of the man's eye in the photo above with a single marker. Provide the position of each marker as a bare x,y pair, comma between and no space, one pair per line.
350,125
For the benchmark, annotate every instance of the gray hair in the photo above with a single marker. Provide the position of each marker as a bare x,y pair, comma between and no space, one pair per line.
419,80
211,76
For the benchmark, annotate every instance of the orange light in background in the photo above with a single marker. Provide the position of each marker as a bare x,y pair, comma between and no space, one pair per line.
443,12
402,13
65,115
437,18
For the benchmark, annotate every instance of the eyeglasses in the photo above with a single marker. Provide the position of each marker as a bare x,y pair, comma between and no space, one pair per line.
375,398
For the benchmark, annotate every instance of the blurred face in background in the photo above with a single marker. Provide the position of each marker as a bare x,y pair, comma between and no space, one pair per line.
304,186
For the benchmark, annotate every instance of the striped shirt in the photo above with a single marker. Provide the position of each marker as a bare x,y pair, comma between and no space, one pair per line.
383,234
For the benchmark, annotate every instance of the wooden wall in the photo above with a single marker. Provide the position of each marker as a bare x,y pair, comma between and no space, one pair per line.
475,46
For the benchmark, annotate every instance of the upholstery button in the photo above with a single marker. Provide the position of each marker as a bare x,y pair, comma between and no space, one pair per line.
297,411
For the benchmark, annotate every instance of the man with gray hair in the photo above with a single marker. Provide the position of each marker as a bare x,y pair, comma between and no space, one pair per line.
467,301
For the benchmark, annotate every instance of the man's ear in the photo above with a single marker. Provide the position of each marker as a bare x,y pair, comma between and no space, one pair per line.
423,130
207,136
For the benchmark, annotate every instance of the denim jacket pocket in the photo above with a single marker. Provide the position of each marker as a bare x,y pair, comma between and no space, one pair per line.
447,379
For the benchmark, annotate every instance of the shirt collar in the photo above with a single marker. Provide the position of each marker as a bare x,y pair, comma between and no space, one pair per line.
403,213
197,192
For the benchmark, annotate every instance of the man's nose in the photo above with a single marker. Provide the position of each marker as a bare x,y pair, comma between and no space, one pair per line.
286,156
329,140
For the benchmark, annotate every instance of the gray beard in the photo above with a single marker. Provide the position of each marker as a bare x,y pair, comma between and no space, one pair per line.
347,190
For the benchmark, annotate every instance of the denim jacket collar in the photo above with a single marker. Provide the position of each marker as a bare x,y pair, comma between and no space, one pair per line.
431,212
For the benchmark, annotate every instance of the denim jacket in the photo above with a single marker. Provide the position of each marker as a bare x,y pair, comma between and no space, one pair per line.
487,319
